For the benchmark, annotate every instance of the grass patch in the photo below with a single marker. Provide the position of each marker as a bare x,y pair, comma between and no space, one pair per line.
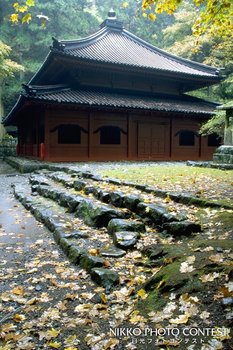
208,183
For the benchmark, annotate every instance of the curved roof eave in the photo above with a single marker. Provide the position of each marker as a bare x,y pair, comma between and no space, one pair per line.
62,47
113,107
80,43
46,62
15,109
213,78
103,31
62,95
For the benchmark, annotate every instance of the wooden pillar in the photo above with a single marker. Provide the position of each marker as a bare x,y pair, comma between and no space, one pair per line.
129,135
200,146
90,134
47,134
170,138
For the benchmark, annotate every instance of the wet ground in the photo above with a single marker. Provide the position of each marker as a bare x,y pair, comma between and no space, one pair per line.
39,288
18,228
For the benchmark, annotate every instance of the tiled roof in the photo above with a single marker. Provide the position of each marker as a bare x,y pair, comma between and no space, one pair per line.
98,98
113,44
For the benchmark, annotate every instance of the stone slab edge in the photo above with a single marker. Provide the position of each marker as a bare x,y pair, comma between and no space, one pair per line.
58,234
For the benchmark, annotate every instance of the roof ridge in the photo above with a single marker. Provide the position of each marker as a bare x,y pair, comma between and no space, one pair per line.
65,45
33,90
59,44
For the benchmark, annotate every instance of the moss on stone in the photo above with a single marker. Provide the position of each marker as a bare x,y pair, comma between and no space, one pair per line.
153,302
225,218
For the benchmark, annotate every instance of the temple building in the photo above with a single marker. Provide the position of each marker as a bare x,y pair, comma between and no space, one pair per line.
113,96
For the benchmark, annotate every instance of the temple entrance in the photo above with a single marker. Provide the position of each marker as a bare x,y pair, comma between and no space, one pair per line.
151,140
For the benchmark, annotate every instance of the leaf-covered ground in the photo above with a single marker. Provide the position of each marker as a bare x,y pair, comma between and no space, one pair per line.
208,183
173,293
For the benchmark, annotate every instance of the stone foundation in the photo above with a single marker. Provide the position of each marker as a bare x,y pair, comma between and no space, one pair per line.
223,155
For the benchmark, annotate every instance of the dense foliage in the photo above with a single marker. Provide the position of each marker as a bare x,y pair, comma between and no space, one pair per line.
7,66
214,17
29,25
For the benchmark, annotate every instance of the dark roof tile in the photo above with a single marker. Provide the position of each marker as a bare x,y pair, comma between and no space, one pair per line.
90,97
118,46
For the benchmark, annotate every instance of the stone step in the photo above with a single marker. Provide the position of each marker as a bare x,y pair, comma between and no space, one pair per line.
73,194
93,212
184,198
101,216
157,214
44,186
91,185
89,230
76,243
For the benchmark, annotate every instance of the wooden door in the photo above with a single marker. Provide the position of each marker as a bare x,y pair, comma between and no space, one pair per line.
151,140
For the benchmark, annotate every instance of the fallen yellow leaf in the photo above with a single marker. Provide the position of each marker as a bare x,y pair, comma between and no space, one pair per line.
104,298
209,277
19,317
142,293
54,345
8,327
83,308
52,333
167,199
223,334
93,251
180,319
19,290
70,342
161,283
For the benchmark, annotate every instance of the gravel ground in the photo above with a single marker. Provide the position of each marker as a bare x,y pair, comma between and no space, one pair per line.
6,169
99,166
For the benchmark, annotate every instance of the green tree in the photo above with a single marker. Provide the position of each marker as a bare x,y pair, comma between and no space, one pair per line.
7,69
211,49
30,41
214,16
129,12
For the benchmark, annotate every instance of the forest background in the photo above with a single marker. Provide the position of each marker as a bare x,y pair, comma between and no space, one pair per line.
26,34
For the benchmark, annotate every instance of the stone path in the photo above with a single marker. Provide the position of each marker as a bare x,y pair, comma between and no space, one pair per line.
110,218
126,248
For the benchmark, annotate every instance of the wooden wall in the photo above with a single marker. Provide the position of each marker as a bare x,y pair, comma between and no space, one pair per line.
139,136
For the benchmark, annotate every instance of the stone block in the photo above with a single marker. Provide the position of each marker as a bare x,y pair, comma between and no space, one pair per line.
182,228
125,239
115,225
89,262
75,253
96,215
104,277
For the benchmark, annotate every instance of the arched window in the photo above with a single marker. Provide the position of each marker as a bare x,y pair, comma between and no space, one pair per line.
110,135
68,133
186,137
